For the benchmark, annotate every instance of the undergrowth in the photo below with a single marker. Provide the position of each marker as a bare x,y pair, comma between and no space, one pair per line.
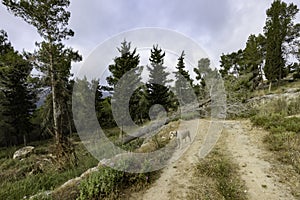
284,130
221,173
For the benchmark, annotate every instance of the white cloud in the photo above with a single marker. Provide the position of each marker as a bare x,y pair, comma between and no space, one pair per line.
218,26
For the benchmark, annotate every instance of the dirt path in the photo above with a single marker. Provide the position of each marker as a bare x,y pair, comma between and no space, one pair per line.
245,146
175,180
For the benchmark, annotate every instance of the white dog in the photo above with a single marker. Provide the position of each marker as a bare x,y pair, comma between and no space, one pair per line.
180,136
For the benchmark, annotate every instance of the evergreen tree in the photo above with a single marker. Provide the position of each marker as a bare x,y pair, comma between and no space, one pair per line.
17,100
232,64
280,32
203,74
253,60
183,82
139,105
125,76
158,91
50,18
127,61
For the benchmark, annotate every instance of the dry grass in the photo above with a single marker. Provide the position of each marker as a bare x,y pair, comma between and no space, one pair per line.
277,89
217,176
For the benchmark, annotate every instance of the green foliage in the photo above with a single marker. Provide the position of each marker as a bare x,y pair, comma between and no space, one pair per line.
253,60
49,17
158,91
266,54
281,106
294,107
280,32
220,168
127,61
16,181
277,123
108,182
245,65
17,96
53,59
125,77
138,105
183,82
104,113
284,137
231,64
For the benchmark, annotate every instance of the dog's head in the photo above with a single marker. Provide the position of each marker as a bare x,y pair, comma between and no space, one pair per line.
172,134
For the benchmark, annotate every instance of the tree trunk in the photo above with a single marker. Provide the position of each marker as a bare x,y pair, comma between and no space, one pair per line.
24,140
54,103
121,133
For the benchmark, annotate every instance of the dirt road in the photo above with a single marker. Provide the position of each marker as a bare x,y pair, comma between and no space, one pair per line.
243,143
176,180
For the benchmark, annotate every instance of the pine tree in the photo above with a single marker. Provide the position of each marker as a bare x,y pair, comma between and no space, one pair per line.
18,100
203,73
183,83
158,91
253,60
50,18
127,61
125,76
280,32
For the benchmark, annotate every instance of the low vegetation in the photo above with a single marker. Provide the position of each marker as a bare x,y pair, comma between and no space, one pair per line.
109,183
284,130
23,178
220,178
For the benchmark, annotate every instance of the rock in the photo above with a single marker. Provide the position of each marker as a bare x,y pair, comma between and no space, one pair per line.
244,165
42,195
71,182
89,171
23,152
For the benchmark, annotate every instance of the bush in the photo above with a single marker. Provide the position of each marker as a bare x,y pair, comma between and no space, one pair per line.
220,167
294,107
284,137
108,182
277,123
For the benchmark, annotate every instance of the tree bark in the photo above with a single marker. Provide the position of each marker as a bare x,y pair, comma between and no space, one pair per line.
54,103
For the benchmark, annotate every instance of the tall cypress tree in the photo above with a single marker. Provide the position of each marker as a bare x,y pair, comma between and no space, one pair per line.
158,91
18,100
279,31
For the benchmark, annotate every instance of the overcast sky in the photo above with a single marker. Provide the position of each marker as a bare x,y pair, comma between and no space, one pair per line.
218,26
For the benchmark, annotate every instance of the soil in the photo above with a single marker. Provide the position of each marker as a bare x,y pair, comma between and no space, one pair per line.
244,144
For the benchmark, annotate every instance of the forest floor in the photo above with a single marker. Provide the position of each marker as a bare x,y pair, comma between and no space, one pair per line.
261,176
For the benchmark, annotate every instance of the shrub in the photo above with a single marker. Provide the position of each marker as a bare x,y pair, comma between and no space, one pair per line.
219,167
108,182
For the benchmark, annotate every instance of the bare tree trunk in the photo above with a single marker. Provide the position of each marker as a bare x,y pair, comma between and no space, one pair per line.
121,133
54,103
24,140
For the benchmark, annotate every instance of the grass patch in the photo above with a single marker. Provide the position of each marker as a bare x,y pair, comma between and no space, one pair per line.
109,183
222,178
20,178
277,89
283,137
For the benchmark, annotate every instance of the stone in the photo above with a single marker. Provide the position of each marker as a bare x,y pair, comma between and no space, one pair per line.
244,165
23,152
